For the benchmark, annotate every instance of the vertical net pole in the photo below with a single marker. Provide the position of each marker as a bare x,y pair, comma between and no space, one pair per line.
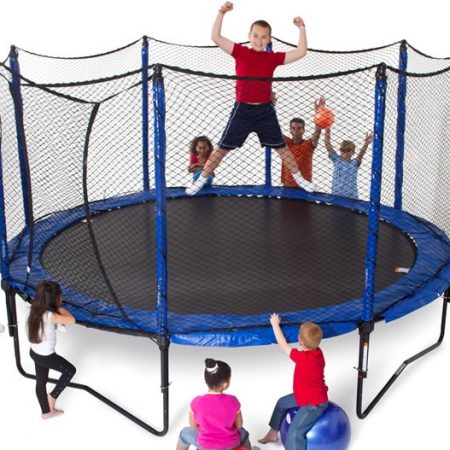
401,125
4,259
159,117
21,142
375,193
367,325
144,77
160,197
268,150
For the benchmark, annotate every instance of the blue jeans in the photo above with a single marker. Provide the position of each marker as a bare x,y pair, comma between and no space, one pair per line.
188,436
209,180
301,423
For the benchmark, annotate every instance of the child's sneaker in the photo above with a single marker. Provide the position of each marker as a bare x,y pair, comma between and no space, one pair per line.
196,185
304,184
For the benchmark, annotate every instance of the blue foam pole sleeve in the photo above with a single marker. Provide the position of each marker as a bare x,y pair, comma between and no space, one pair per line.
160,197
375,194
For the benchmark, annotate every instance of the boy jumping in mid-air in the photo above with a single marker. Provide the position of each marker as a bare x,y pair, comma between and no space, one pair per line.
254,110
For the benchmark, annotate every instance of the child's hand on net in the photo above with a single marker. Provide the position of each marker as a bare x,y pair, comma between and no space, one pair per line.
275,319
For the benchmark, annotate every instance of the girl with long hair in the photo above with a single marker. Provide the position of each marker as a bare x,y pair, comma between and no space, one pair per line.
46,315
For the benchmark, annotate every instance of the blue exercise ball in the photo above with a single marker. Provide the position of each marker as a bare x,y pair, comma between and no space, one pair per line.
330,432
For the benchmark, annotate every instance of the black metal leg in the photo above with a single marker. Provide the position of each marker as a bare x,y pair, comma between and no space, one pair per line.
9,313
365,331
164,349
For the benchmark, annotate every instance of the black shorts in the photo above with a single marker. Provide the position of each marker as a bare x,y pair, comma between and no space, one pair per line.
246,118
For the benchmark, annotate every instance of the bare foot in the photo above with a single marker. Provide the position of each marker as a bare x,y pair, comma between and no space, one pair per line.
51,404
51,414
271,436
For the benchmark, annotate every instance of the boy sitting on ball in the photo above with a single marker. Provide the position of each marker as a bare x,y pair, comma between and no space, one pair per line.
310,391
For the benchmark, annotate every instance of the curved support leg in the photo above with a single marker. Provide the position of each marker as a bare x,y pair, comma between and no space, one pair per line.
365,330
163,343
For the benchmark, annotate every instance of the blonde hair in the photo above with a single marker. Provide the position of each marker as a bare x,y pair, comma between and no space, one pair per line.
310,335
347,146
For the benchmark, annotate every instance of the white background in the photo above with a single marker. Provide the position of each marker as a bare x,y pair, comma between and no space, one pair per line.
412,416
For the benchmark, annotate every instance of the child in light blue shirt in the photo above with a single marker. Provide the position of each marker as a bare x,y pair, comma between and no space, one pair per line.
345,172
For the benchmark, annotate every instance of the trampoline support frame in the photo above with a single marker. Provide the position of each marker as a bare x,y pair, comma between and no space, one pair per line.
162,342
365,330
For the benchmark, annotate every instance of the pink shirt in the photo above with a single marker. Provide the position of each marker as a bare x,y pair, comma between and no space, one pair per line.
215,415
309,382
250,63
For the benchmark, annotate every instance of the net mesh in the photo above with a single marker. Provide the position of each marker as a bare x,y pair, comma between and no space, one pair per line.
83,126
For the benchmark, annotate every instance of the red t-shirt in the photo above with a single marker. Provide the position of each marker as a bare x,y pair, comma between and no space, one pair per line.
193,159
309,382
250,63
303,154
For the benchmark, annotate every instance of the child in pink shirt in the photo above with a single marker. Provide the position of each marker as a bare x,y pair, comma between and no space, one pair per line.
215,418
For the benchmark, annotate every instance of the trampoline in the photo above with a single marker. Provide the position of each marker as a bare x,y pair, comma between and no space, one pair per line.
303,259
92,196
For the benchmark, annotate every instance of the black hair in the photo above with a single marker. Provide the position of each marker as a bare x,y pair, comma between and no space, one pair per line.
297,120
216,373
196,140
47,298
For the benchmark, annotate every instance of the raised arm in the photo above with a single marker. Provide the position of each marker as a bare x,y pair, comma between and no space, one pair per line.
328,145
275,321
362,151
317,131
302,46
216,34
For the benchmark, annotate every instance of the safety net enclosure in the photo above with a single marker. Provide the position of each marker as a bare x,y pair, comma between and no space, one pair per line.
94,162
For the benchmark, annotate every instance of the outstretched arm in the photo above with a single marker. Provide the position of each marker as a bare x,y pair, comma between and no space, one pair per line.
362,152
316,135
275,321
302,46
216,34
328,145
